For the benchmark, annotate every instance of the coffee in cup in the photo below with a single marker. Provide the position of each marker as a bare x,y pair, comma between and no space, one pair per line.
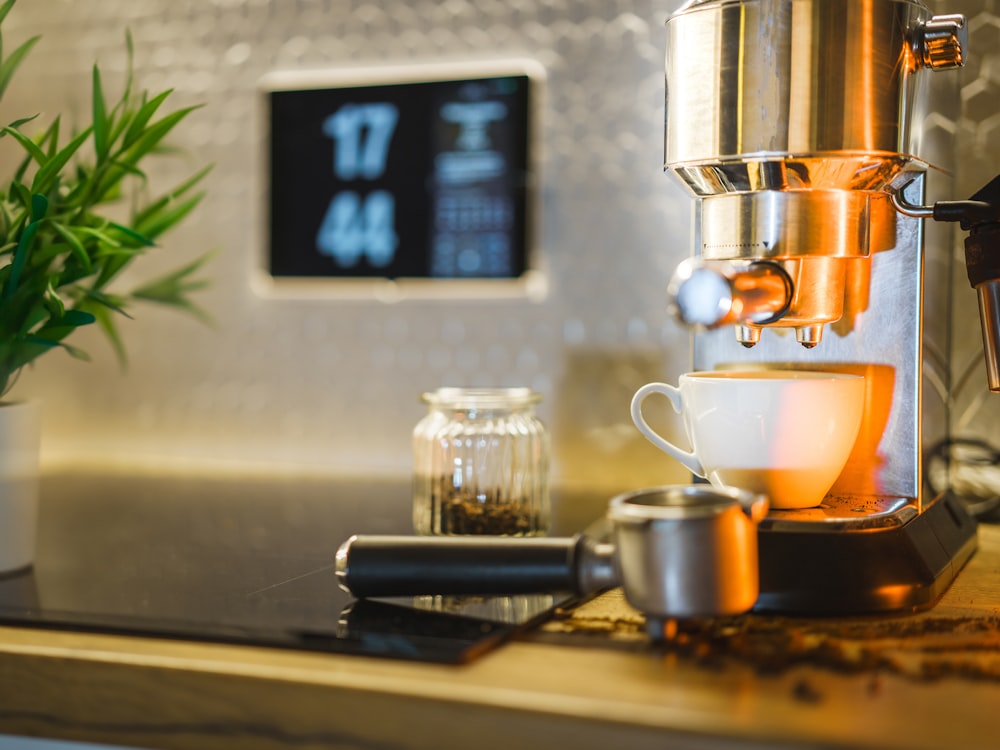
783,433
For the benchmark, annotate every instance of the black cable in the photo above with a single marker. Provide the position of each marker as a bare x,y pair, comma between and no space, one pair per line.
958,452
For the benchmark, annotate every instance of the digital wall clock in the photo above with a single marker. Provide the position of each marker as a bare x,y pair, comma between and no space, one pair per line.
420,172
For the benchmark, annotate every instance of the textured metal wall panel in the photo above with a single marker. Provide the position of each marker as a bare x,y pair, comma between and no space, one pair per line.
975,411
333,384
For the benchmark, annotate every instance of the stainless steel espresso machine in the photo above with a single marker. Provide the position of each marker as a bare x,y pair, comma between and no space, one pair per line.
797,126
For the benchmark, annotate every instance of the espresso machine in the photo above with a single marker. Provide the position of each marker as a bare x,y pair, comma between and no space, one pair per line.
797,126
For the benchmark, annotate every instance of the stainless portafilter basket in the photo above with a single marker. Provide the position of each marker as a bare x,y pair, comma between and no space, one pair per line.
678,551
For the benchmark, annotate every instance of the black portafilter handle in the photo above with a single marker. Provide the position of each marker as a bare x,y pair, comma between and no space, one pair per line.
371,566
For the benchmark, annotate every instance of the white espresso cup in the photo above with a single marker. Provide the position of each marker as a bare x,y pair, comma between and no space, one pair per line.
783,433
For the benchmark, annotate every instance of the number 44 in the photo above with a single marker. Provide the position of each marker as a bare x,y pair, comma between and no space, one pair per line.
353,228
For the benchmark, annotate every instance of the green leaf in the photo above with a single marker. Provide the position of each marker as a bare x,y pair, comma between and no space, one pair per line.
72,273
129,65
172,289
101,236
49,142
58,249
24,121
154,225
107,323
122,255
148,212
111,302
22,194
155,133
100,115
120,123
58,329
79,251
108,186
29,145
51,137
48,250
8,66
5,9
54,302
111,267
77,318
47,174
36,341
49,343
39,206
22,168
37,312
20,258
130,168
143,116
197,177
25,351
133,235
75,352
16,224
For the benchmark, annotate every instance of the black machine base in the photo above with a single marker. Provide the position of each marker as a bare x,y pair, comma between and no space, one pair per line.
822,569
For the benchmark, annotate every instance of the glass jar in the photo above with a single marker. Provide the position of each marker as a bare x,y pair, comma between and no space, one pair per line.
481,464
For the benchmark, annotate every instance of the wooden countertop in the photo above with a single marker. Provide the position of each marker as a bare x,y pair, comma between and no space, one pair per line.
602,686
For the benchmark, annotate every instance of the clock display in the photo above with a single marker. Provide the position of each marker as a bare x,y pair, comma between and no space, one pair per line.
426,179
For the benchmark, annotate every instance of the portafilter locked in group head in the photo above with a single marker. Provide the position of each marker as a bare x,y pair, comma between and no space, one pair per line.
797,124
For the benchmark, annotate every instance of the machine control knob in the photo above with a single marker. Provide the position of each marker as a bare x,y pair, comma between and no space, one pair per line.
943,42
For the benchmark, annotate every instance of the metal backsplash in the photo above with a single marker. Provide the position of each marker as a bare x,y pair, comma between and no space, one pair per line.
974,413
334,384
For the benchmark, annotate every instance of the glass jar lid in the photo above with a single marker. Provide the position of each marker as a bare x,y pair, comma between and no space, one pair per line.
481,398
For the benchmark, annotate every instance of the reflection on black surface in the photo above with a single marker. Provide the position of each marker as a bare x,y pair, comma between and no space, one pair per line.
500,609
395,630
241,561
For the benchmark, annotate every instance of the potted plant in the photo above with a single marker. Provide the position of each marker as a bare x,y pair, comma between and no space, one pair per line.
61,252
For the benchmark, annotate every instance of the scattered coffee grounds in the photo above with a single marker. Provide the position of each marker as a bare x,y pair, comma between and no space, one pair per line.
925,649
920,648
485,513
805,691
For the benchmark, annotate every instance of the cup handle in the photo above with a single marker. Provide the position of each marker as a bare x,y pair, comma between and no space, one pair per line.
688,458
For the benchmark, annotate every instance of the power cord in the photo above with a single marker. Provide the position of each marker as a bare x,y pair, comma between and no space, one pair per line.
970,468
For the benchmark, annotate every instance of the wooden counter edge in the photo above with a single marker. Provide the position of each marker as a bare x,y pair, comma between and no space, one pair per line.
155,693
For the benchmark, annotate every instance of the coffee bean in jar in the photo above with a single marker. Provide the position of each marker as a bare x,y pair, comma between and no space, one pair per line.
481,464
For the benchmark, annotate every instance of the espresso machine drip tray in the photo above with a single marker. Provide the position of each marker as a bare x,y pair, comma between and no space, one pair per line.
846,513
895,558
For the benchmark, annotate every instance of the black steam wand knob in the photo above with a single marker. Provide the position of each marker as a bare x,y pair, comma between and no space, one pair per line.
980,217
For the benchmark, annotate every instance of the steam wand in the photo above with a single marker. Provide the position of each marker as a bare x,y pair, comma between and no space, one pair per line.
980,217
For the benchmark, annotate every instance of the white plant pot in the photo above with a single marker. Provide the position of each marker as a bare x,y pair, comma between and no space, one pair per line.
20,441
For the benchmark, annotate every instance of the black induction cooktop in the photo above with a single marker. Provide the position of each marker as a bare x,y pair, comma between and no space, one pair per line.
250,561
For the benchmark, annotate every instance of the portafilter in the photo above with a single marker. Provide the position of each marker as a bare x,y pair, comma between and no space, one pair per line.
678,551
